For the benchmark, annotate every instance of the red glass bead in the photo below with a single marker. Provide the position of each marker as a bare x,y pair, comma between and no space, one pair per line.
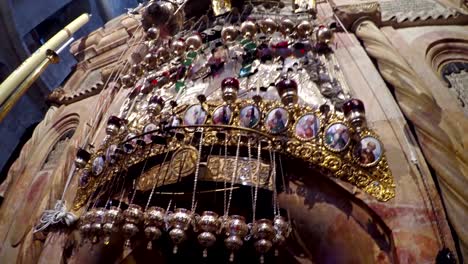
353,105
114,120
230,82
286,84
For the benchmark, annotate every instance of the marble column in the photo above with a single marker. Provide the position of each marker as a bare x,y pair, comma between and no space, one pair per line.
442,137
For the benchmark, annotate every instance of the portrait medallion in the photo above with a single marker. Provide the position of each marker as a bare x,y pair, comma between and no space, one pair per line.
368,152
130,145
277,120
111,155
98,165
249,116
307,127
337,137
222,115
147,137
195,115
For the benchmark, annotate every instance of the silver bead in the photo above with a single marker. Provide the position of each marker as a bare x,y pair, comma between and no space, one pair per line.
150,61
163,54
324,34
194,42
128,81
152,33
137,69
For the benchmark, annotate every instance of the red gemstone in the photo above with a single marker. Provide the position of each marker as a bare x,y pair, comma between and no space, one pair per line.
353,105
230,82
281,45
83,154
114,120
286,84
154,82
156,100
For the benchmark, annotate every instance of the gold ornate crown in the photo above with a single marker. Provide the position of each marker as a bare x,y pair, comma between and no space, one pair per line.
326,140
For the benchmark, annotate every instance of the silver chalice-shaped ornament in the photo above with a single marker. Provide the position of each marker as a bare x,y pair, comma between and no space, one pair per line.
263,233
132,217
154,221
179,221
208,224
111,222
236,230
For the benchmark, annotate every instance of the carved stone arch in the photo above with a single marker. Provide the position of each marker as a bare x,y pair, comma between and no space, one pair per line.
449,59
444,51
50,170
43,176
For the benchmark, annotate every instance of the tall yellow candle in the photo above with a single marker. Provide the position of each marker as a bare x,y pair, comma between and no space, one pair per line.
29,65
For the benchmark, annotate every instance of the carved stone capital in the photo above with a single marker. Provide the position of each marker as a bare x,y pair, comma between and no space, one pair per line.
349,13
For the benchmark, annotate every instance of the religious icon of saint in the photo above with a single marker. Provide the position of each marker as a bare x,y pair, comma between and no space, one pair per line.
337,137
277,120
195,115
98,165
368,151
147,137
130,145
110,154
222,115
249,116
307,127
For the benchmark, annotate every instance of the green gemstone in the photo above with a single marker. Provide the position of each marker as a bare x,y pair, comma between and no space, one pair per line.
188,62
179,85
250,46
244,41
191,55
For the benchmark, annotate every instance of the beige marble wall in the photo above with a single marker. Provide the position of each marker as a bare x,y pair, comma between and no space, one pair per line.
409,214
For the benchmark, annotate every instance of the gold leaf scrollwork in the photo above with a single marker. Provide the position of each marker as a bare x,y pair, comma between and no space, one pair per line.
332,163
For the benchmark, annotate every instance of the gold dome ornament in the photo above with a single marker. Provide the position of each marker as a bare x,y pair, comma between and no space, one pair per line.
286,26
178,47
163,54
248,29
229,34
304,29
355,113
151,61
287,90
268,26
194,42
137,70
